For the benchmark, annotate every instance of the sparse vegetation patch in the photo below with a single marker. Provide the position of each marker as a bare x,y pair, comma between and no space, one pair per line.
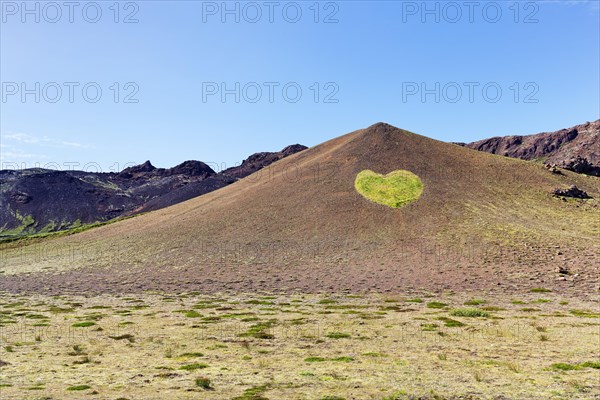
396,189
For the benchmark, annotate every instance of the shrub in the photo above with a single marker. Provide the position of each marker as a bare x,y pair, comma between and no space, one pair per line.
204,383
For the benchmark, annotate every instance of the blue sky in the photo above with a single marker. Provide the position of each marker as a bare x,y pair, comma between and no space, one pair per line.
355,63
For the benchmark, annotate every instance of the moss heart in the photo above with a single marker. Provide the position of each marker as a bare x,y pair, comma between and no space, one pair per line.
396,189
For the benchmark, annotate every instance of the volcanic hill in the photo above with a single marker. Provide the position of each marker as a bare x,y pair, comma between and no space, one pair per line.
482,221
41,200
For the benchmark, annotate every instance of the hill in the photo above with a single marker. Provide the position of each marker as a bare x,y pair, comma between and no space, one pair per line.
576,149
41,200
481,221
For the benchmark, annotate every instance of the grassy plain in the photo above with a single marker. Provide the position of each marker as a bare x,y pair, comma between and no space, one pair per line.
538,345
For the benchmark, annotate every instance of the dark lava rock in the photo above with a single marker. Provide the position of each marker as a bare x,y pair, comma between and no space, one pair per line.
582,165
191,168
260,160
20,197
553,168
572,191
138,169
576,149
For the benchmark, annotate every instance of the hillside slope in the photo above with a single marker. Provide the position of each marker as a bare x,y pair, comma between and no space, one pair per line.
482,221
576,149
41,200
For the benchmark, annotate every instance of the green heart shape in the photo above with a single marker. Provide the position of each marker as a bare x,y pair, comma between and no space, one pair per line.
396,189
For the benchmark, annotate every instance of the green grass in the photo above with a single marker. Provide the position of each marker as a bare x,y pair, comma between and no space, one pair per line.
193,367
539,290
585,313
450,323
590,364
542,301
429,327
26,227
469,312
314,359
192,314
337,335
127,336
260,302
58,310
323,359
396,189
326,301
415,300
25,236
343,359
474,302
191,355
253,393
79,387
436,304
574,367
83,324
258,331
493,308
565,366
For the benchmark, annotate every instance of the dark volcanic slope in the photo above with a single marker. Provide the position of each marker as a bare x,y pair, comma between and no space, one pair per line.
576,149
40,200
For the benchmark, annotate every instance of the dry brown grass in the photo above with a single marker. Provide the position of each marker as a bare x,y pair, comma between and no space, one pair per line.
387,355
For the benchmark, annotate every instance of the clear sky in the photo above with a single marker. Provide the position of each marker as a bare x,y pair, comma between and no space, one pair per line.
216,81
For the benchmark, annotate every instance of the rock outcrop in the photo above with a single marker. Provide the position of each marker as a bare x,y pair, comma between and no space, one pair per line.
576,149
